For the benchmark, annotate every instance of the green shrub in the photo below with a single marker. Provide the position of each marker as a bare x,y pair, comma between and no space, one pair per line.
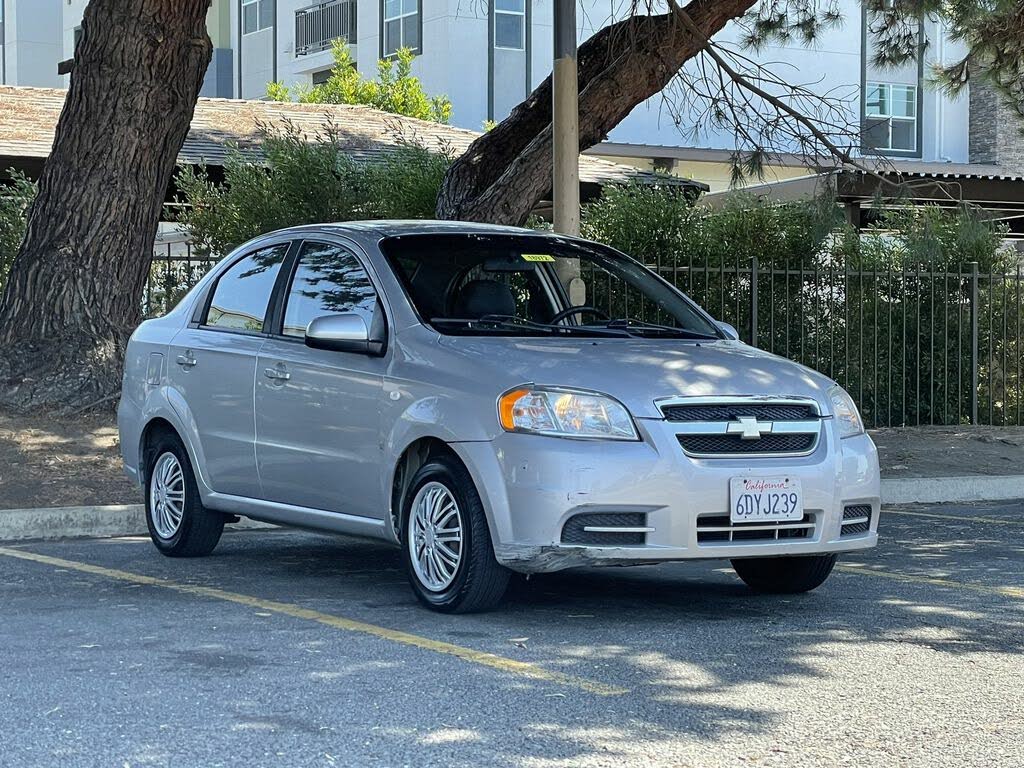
886,311
307,182
14,203
395,90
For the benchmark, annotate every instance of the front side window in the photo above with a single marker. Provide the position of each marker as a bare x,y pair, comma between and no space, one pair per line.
510,24
328,280
509,285
242,294
890,117
401,26
257,15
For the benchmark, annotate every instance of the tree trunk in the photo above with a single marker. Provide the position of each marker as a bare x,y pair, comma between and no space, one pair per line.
74,291
507,171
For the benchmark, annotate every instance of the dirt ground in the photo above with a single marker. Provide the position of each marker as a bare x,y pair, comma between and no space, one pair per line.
48,461
950,451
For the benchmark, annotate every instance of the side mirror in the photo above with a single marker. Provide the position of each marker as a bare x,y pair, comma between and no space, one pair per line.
728,330
345,332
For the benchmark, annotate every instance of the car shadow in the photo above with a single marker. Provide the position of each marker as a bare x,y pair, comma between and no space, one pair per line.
684,639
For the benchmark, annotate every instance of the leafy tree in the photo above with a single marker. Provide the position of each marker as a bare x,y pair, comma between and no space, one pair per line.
305,182
395,90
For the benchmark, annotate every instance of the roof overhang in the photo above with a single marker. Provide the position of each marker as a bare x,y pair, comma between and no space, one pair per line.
995,190
28,121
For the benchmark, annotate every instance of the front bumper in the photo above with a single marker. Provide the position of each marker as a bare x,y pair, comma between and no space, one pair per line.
532,485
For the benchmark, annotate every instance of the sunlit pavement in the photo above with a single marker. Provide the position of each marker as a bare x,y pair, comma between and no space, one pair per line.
288,648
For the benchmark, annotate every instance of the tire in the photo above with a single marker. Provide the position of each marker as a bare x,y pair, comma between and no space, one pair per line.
476,582
196,530
784,575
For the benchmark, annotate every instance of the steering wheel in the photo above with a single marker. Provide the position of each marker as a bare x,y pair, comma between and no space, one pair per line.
580,310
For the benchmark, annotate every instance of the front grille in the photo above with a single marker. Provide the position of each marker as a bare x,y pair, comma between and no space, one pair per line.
573,531
719,529
856,520
725,444
729,412
744,427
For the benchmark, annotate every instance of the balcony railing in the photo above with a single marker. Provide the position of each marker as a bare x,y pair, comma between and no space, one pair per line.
317,26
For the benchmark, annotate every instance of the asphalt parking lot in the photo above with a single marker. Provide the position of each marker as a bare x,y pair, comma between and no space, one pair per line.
288,648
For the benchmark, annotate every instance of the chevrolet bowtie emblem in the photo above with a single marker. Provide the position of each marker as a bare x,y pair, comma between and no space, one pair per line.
749,428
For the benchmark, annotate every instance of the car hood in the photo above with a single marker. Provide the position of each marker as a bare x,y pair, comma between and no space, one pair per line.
637,372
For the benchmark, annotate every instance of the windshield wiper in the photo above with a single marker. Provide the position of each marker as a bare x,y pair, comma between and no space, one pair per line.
630,324
569,330
491,323
511,322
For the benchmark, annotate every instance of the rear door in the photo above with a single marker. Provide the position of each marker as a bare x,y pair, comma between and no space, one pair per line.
318,411
213,365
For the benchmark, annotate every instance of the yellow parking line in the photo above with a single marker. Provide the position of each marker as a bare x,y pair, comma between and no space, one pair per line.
1017,593
966,518
500,663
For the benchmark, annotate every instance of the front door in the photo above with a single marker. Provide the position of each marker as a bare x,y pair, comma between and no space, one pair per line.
318,411
213,366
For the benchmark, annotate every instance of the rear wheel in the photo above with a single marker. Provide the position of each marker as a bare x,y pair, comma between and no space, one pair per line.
784,575
179,524
446,543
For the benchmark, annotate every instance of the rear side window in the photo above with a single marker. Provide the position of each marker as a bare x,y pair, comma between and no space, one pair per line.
328,280
242,294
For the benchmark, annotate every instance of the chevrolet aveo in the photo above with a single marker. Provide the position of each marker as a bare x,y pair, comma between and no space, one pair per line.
437,386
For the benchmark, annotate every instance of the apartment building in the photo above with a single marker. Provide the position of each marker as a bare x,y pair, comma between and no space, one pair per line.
486,55
30,45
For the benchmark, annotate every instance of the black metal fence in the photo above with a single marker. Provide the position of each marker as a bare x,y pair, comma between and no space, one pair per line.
912,346
174,270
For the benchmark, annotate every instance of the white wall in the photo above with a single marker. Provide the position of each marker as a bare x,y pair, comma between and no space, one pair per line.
32,44
217,78
948,141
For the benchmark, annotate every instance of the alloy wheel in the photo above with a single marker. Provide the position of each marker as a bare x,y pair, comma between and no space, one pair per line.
435,536
167,495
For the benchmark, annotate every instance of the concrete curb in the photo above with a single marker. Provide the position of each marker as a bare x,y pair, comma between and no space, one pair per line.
82,522
129,519
935,490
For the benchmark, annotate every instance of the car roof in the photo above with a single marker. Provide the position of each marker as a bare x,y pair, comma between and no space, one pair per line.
392,228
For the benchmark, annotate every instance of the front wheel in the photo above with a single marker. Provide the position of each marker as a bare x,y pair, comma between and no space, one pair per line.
446,544
784,575
179,524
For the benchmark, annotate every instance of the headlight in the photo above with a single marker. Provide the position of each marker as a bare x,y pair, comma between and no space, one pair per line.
565,413
846,412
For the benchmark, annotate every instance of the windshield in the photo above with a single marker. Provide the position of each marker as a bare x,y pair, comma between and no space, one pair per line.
512,285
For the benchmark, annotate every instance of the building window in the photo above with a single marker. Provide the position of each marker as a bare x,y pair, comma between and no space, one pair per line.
400,26
510,24
257,15
77,37
322,76
890,117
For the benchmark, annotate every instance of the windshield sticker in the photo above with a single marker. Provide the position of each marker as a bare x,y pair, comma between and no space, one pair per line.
537,257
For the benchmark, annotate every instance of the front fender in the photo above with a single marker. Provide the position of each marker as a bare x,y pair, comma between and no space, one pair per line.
435,417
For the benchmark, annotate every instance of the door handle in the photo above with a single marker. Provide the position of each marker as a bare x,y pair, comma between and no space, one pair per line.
186,360
278,374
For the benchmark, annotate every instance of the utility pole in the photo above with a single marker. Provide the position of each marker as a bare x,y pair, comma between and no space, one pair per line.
565,130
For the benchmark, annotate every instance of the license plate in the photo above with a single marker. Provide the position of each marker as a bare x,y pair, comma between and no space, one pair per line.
765,499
